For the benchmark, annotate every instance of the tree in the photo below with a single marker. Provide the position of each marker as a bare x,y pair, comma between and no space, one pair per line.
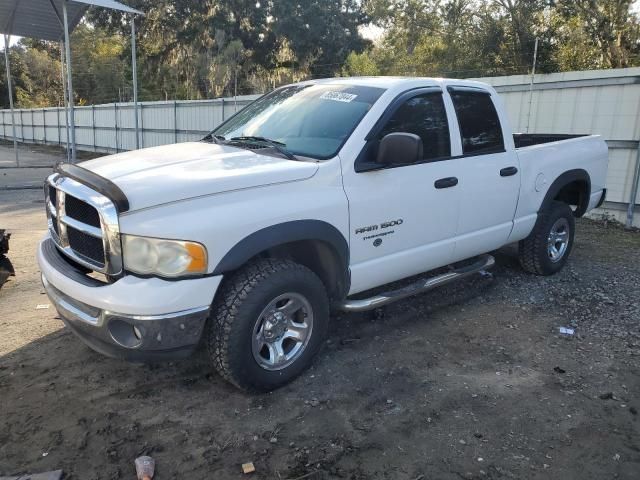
101,73
19,77
607,30
360,64
285,37
200,49
35,74
477,38
524,22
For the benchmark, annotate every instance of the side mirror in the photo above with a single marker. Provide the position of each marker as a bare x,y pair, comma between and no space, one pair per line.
399,148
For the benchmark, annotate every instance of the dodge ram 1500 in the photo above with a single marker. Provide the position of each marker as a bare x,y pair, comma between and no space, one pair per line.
314,193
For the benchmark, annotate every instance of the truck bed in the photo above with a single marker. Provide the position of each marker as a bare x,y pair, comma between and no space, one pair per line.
522,140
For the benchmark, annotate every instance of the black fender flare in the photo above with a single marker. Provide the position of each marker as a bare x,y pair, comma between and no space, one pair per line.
283,233
563,180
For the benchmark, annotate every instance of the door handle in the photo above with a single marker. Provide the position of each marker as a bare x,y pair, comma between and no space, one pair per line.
508,171
446,182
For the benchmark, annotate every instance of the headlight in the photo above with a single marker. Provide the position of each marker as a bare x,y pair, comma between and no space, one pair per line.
166,258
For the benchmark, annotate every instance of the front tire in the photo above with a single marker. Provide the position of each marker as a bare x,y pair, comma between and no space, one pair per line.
546,250
268,322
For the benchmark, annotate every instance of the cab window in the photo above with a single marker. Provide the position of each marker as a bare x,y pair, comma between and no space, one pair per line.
478,120
425,116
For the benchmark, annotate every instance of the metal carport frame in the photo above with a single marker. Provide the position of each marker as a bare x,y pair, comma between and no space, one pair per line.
32,18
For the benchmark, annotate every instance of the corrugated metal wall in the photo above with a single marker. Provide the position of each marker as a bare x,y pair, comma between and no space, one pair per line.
604,102
111,128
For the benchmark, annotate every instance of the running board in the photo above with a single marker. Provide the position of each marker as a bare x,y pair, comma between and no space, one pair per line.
424,285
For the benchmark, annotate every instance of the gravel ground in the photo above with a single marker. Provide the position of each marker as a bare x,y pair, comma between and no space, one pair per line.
471,381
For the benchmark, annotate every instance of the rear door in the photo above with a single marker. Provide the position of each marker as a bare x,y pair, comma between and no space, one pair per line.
489,179
401,222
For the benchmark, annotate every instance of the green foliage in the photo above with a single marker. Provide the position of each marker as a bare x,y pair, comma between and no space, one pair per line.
101,71
194,49
202,49
360,64
35,75
597,34
473,38
458,37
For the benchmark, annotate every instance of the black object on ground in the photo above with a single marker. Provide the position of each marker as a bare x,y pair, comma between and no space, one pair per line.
6,268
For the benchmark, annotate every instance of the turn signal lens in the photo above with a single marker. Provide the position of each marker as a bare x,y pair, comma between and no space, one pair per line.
198,256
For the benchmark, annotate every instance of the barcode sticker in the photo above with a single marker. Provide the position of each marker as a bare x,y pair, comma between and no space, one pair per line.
338,96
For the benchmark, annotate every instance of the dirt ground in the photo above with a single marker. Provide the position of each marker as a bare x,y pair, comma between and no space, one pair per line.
471,381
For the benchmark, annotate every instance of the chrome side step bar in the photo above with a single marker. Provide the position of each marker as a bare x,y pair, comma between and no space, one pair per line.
483,262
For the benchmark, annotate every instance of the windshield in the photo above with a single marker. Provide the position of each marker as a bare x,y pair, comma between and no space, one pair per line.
310,120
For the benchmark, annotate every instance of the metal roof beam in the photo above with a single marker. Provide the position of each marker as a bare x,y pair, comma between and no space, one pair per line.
55,10
10,18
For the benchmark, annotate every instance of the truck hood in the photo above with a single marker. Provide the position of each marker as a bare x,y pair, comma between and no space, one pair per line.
159,175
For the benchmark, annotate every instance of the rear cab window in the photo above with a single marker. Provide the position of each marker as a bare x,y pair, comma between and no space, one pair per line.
480,129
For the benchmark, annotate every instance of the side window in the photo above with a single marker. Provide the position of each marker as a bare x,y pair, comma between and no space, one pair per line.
478,121
425,116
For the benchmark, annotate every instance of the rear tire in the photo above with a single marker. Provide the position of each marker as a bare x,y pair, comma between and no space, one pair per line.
546,250
268,322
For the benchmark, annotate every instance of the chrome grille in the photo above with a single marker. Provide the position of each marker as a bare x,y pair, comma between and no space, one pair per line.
81,211
52,195
83,224
89,247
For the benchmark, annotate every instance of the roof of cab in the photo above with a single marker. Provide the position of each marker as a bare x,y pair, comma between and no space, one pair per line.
381,82
392,82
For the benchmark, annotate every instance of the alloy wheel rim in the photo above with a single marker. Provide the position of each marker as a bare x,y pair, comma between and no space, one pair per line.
282,331
558,240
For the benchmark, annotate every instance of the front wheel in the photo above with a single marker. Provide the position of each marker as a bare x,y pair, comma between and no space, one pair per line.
268,322
546,250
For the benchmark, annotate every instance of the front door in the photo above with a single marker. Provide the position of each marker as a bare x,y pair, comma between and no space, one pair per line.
401,222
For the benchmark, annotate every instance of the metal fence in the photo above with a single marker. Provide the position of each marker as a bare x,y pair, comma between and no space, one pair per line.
111,127
604,102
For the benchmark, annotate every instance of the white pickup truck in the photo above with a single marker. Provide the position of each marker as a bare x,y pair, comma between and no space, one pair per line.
314,193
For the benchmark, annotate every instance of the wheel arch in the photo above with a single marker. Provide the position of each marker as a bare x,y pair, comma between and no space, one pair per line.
314,243
573,187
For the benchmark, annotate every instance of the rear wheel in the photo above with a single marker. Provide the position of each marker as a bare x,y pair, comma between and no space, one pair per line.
268,322
546,250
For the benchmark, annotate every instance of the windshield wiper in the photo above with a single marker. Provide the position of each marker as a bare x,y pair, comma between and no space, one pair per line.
276,145
210,137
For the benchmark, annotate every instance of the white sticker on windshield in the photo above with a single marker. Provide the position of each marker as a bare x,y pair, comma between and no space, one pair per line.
338,96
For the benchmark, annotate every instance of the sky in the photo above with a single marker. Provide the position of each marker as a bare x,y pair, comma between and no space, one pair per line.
371,32
13,41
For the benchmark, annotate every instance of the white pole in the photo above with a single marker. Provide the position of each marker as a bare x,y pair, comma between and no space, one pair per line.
235,91
72,123
635,185
533,72
10,89
64,97
134,67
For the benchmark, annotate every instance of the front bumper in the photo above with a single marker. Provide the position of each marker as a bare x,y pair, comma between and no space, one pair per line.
127,319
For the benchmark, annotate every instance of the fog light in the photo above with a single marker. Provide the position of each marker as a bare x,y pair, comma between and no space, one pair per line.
125,334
